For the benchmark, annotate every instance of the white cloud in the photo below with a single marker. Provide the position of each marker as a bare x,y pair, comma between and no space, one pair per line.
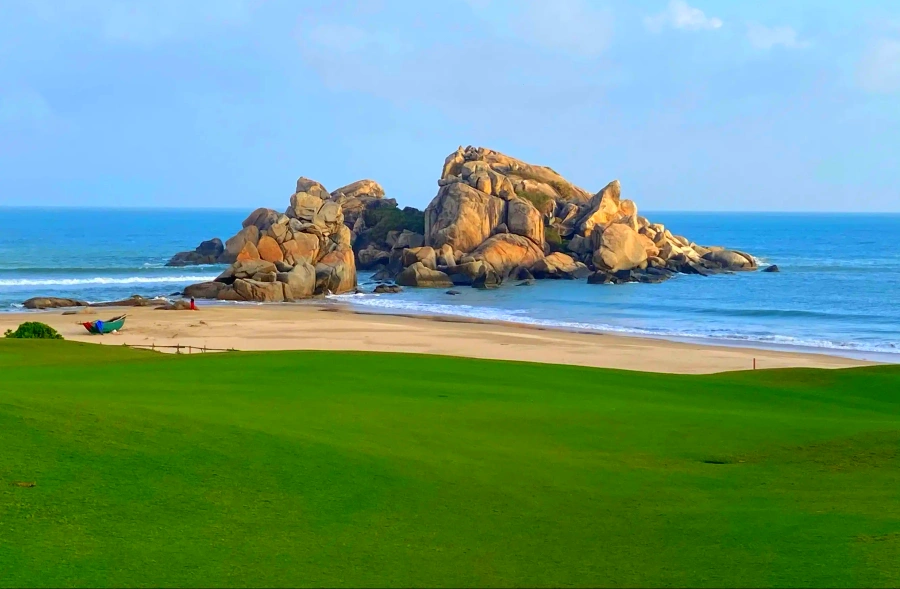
680,15
763,37
879,69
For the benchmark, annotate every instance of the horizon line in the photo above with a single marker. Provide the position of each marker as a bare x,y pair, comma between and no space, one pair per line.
651,210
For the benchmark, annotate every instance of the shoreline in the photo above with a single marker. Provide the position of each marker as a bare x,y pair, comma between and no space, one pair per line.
347,302
339,325
875,357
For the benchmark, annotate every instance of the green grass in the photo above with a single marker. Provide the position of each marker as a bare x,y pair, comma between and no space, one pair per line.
320,468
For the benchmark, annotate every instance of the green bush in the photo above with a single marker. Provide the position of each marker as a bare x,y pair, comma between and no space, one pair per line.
540,200
553,239
380,221
33,330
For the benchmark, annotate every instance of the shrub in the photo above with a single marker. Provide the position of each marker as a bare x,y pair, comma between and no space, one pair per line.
380,221
553,239
540,200
33,330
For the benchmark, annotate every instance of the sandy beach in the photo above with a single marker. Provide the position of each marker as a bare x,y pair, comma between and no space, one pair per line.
339,327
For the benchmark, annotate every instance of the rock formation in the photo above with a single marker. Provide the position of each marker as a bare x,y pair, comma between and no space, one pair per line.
494,218
285,257
513,217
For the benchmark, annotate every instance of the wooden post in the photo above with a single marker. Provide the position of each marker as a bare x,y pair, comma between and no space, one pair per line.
754,364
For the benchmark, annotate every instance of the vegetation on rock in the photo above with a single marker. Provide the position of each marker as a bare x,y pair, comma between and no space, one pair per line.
383,220
553,239
540,200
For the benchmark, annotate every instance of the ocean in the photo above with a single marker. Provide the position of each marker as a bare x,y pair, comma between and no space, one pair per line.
838,289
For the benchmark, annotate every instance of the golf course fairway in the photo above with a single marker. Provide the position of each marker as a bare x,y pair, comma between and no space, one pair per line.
326,468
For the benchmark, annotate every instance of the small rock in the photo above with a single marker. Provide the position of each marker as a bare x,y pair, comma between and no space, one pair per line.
388,289
453,292
81,311
772,268
528,282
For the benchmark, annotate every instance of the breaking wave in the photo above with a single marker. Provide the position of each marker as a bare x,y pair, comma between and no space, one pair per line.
104,280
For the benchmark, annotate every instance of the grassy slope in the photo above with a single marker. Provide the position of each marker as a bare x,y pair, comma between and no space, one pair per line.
373,469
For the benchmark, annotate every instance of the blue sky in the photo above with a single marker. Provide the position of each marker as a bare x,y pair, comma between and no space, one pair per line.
697,105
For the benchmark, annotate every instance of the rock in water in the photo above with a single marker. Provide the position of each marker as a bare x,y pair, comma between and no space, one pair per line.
731,260
493,218
388,289
336,272
507,251
620,249
208,252
53,303
559,265
420,275
772,268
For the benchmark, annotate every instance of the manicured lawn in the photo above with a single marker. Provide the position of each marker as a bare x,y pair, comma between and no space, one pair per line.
311,468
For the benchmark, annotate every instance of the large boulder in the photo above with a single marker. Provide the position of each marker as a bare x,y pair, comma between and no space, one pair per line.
462,217
522,218
649,246
730,260
505,252
559,265
53,303
406,239
425,254
262,292
358,189
620,249
465,273
236,244
204,290
420,275
336,272
371,256
269,250
307,200
246,269
304,247
602,209
495,173
300,282
262,218
207,252
248,252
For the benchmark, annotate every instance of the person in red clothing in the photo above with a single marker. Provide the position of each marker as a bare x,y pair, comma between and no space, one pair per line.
193,305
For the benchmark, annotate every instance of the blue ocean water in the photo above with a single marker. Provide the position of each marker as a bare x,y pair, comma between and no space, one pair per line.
838,289
102,254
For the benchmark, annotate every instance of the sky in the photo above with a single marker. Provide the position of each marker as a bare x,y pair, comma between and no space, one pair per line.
693,105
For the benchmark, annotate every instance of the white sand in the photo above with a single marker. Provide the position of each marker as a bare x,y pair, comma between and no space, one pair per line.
337,327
